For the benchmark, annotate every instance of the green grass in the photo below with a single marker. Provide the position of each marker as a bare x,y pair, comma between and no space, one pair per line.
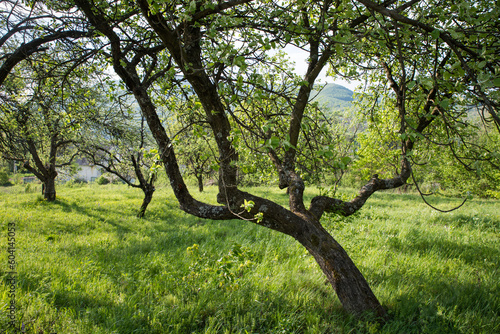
86,264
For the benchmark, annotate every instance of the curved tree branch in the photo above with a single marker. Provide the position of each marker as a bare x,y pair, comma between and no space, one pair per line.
26,50
322,204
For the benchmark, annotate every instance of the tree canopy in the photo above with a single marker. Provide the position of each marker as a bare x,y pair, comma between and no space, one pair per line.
44,109
30,28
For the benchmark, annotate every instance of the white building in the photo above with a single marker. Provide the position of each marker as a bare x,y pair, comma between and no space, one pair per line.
86,172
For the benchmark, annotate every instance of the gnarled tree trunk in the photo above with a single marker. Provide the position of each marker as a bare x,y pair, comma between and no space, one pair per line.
148,196
49,188
349,284
47,175
199,177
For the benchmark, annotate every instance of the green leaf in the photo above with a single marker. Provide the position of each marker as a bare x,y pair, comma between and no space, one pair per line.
304,83
346,160
274,142
435,34
427,83
339,49
445,103
192,6
328,154
247,205
287,144
240,62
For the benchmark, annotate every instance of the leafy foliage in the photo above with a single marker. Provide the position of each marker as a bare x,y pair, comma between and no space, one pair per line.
102,180
42,116
4,177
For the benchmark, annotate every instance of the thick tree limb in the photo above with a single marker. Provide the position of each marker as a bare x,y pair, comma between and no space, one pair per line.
322,204
222,6
130,77
26,50
188,56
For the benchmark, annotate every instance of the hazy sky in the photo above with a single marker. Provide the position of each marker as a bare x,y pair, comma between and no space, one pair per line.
299,57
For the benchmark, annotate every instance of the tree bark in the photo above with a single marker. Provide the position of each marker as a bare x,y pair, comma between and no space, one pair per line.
199,177
147,186
49,188
347,281
47,175
148,196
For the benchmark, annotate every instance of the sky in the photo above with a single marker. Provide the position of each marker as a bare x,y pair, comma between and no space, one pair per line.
299,57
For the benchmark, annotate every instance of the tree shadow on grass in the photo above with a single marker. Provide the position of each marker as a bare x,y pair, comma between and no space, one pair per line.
439,301
436,305
91,311
484,223
150,292
423,243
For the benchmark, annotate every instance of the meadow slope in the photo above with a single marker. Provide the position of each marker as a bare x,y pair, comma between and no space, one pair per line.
86,264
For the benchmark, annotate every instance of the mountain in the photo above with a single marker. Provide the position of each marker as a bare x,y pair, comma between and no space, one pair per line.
335,97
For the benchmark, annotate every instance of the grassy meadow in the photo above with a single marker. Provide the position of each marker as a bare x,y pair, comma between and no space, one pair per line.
86,264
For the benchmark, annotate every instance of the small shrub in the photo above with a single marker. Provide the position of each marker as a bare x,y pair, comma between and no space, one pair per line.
75,183
493,194
101,180
4,178
30,188
18,178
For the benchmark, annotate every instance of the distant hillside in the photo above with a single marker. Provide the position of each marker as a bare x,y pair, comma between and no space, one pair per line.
335,97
